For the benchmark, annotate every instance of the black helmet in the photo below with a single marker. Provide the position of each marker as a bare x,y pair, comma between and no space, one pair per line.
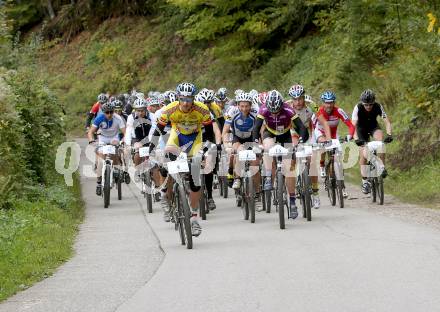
368,96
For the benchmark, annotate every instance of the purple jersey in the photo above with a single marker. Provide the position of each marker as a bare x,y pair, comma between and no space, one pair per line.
277,123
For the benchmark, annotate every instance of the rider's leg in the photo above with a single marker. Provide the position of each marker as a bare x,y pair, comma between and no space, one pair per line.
378,136
268,164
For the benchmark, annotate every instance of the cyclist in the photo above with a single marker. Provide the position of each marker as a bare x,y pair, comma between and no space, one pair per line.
221,99
241,124
307,115
279,118
109,125
206,97
187,117
364,117
332,115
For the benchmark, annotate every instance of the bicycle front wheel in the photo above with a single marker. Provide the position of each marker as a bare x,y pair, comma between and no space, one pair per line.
380,192
202,201
179,216
250,198
306,194
373,186
186,216
148,195
107,178
339,189
280,199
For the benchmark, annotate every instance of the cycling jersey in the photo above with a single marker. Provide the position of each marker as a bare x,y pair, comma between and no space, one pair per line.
215,111
242,126
185,123
109,127
138,129
96,109
279,123
234,110
367,119
333,121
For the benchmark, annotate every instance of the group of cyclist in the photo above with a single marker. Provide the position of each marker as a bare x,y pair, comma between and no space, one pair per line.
186,120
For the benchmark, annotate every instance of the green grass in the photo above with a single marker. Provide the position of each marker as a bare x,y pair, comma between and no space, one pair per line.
37,236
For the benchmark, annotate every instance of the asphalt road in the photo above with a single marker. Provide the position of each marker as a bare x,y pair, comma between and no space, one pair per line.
352,259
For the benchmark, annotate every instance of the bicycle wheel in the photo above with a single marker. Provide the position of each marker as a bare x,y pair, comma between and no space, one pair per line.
268,200
186,216
300,192
244,204
280,199
307,194
250,198
119,183
202,200
373,183
107,178
225,186
339,188
179,216
220,182
380,192
148,195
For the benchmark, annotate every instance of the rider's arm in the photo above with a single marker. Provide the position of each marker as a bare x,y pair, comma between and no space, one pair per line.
217,133
354,120
257,128
300,128
225,132
90,116
158,131
344,117
129,130
92,131
386,120
323,122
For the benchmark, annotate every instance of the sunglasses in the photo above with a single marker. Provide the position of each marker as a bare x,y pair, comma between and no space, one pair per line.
368,104
109,112
186,99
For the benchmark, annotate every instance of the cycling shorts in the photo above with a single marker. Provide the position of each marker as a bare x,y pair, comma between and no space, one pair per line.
282,138
188,143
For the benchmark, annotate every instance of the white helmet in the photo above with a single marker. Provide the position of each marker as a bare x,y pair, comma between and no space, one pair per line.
140,95
206,95
155,101
238,91
253,92
139,103
274,101
243,97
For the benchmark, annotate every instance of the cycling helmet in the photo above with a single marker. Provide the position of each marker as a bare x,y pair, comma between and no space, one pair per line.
238,91
117,104
222,94
256,100
140,95
328,96
186,89
170,96
274,101
155,101
108,106
102,98
206,95
253,92
368,96
243,97
296,91
139,103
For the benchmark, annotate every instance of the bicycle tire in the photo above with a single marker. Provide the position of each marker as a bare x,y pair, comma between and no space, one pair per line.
340,195
179,217
280,199
106,192
148,195
225,187
250,198
307,194
119,182
268,199
187,216
380,191
244,203
202,201
373,189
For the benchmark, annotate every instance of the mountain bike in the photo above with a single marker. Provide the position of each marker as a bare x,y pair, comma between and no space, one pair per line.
246,192
110,174
334,172
376,167
147,181
303,183
179,206
281,201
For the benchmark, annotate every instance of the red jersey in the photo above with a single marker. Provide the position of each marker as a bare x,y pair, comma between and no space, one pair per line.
96,108
333,121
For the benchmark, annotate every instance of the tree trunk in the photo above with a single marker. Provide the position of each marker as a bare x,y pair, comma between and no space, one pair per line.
50,9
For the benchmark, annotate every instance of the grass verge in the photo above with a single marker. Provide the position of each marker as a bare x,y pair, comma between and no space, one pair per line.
37,235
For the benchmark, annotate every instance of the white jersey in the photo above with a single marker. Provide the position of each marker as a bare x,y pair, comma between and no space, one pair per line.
130,134
234,110
109,127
